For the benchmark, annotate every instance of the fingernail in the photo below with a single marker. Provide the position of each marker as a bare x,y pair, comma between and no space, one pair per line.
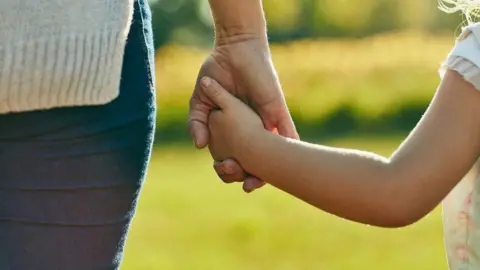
227,170
195,142
205,82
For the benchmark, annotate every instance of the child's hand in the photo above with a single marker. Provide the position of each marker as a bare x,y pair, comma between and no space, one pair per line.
233,126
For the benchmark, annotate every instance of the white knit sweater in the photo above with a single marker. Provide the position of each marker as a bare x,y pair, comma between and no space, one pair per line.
59,53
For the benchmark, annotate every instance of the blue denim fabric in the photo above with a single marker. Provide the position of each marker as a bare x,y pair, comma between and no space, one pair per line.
70,177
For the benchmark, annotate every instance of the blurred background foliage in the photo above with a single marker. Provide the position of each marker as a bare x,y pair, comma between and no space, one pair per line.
189,21
356,73
346,65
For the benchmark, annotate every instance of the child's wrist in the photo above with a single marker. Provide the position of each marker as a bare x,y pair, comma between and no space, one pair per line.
247,152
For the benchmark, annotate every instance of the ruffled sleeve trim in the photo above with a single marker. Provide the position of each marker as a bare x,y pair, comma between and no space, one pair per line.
464,58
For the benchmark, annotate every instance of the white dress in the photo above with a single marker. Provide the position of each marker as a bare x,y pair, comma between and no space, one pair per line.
461,208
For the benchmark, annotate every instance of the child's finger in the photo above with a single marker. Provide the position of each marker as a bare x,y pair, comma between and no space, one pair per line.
230,171
252,183
218,166
232,167
221,97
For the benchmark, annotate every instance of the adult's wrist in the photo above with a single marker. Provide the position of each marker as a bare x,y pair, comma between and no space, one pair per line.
243,54
238,19
232,34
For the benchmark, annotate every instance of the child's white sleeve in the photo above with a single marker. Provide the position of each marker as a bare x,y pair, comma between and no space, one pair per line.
464,58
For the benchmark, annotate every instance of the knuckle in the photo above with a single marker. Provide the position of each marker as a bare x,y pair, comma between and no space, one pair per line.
216,91
233,166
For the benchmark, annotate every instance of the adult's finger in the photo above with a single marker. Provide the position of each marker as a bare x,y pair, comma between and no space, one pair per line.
276,117
286,127
198,121
199,133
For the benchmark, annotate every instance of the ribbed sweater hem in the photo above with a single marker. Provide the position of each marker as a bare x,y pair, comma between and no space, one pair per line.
61,71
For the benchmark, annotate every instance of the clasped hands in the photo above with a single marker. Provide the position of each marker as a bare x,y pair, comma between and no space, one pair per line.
237,94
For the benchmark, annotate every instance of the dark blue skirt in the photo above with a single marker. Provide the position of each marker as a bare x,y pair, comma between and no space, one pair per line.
70,177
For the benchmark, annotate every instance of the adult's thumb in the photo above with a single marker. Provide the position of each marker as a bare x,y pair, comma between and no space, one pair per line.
217,94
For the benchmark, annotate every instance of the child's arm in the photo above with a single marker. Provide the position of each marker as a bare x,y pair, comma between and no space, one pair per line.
357,185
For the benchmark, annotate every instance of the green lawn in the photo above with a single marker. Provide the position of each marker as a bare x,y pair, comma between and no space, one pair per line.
189,220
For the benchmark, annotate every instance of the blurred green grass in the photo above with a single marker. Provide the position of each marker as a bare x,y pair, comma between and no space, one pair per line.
340,92
189,220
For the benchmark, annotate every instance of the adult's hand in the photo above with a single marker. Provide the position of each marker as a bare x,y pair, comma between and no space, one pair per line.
241,64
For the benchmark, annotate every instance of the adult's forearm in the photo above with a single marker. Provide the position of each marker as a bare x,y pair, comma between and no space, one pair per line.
237,18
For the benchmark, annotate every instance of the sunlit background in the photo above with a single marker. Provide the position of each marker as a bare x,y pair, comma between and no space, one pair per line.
356,73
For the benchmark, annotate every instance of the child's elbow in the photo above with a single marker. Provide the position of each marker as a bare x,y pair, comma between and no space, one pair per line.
399,216
401,206
400,221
